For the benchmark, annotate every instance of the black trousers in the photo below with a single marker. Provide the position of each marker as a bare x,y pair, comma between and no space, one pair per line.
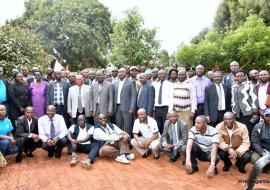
27,145
161,114
90,149
199,111
246,120
243,160
197,153
220,118
60,109
57,148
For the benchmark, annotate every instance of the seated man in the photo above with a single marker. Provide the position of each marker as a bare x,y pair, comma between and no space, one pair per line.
52,131
113,141
174,136
80,137
150,139
202,144
7,141
234,143
27,134
260,139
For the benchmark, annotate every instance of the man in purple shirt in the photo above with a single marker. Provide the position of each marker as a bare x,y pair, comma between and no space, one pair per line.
200,83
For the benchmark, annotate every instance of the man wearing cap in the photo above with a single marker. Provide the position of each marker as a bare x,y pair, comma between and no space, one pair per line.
260,139
133,76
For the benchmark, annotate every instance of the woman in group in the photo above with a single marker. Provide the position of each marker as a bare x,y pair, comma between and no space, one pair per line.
38,94
19,97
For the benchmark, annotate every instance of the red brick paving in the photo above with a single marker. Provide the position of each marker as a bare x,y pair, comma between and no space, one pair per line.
42,173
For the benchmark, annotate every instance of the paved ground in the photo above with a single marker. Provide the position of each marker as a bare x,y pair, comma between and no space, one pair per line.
42,173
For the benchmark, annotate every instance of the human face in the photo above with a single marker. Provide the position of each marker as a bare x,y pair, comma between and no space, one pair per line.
254,75
102,120
58,75
142,115
115,73
173,75
92,75
240,77
38,76
161,75
173,118
100,76
264,76
267,119
72,77
182,76
200,125
229,120
122,73
199,70
217,77
81,121
29,112
143,79
25,71
2,111
19,78
134,73
51,111
79,80
234,66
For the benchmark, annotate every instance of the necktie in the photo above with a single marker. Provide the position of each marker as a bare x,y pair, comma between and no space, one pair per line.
52,129
160,93
174,134
80,108
220,97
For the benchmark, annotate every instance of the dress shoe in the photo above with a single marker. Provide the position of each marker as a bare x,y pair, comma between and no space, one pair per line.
58,153
18,158
29,154
146,154
50,154
174,158
241,167
156,157
227,166
215,171
194,169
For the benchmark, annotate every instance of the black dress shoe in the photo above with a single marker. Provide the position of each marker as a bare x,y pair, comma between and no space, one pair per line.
174,158
146,154
241,167
50,154
156,157
18,158
29,154
227,166
58,153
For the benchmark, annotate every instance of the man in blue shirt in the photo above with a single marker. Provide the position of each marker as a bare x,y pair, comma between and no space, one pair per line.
3,88
7,141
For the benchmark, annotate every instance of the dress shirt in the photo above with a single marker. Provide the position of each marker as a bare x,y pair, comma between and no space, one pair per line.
200,85
223,107
121,83
262,96
167,95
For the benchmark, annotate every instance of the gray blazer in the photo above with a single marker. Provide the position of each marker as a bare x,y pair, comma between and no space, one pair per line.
50,93
106,98
182,130
128,96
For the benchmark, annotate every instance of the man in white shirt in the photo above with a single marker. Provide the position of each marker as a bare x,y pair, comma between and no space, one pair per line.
52,131
113,141
150,139
262,90
80,137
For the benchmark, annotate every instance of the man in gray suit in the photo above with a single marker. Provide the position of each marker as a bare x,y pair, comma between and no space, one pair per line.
101,95
79,100
57,94
174,137
146,95
125,101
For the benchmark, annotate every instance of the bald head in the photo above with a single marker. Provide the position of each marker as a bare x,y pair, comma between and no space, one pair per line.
199,70
229,120
161,75
234,66
79,80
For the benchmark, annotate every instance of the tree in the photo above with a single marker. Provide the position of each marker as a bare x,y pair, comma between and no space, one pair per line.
19,47
77,30
131,43
163,58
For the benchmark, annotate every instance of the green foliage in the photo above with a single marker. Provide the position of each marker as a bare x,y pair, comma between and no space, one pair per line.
163,58
131,43
248,44
19,47
78,30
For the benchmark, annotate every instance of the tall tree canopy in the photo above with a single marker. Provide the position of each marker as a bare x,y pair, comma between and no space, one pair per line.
132,44
19,47
77,30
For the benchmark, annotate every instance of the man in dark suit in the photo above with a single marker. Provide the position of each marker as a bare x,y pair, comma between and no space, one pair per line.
125,101
57,95
174,137
101,95
27,138
217,100
146,95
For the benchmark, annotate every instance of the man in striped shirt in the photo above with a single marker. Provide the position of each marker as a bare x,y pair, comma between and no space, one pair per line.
202,144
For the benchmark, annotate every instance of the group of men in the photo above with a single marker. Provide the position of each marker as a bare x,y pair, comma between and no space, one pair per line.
183,114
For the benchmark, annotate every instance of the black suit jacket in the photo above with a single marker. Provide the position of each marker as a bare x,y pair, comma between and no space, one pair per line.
211,101
22,129
146,98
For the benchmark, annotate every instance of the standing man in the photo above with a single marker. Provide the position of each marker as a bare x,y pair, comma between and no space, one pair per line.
202,144
234,143
163,99
146,95
150,139
184,99
229,79
125,101
79,99
174,137
114,74
263,91
101,95
52,131
27,137
200,82
254,76
57,95
217,100
244,101
133,76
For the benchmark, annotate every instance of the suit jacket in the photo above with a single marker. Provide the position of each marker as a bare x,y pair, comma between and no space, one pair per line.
182,133
146,98
72,102
105,96
50,93
22,129
128,96
211,101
